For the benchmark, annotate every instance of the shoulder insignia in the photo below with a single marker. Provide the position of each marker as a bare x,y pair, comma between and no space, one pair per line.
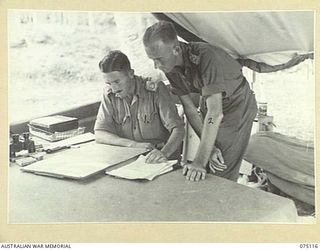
195,59
151,85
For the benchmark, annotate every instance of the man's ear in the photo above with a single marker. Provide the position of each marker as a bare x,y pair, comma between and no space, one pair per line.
176,50
131,73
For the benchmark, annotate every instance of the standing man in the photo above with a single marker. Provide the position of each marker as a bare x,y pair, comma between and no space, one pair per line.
227,104
135,112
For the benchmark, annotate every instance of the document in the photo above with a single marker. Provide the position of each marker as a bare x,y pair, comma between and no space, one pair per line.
82,162
139,169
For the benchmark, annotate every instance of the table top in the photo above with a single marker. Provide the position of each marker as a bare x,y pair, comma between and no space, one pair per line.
168,198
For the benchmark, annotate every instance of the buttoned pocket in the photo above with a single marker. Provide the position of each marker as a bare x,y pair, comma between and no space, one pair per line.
119,120
149,125
122,125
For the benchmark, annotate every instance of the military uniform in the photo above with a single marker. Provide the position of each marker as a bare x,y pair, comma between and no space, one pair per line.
209,70
150,117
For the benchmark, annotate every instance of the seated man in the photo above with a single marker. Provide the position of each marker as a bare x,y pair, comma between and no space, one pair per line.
135,112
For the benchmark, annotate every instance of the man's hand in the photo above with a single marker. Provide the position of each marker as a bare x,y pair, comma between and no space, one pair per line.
194,172
156,156
216,163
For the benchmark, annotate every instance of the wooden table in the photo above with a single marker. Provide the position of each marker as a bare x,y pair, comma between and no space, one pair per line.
103,198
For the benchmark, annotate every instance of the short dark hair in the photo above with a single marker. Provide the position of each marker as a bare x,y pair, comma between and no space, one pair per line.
114,61
162,30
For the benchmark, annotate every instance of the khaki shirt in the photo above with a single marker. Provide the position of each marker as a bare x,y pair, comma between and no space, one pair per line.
150,117
209,70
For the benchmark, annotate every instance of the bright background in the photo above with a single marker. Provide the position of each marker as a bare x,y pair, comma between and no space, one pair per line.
53,66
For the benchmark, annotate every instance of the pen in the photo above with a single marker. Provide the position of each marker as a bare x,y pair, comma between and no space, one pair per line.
55,149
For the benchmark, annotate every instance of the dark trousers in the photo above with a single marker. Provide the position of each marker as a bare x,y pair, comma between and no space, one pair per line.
233,137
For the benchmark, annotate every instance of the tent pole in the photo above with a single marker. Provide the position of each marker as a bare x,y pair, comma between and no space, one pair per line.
253,78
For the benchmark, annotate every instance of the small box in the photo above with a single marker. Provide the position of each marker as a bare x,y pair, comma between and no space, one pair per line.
25,161
38,156
56,136
245,168
56,123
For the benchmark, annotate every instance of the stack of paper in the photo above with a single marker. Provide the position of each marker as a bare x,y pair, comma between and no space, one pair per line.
79,139
139,169
55,128
55,123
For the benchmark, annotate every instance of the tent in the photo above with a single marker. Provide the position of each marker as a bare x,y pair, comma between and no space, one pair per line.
264,42
269,37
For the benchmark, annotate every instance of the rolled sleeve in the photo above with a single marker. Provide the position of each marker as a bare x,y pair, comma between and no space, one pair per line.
168,111
104,120
213,89
212,76
177,86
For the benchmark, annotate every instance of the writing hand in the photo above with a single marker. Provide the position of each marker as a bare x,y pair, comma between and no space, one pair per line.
156,156
216,163
194,172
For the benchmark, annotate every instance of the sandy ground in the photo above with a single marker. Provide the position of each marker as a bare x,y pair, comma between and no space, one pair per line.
55,67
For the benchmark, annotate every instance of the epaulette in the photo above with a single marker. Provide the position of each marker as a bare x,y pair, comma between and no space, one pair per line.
195,59
151,85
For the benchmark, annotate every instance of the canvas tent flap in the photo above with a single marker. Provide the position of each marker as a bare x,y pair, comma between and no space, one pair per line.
269,37
289,163
301,192
266,68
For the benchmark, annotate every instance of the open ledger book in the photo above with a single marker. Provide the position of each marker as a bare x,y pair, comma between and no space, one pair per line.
141,170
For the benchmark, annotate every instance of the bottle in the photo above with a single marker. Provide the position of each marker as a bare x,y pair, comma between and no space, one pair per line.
262,102
17,145
31,147
25,143
30,143
12,152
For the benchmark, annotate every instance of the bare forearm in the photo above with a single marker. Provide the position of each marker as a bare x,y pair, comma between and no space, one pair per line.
209,133
173,142
195,121
112,139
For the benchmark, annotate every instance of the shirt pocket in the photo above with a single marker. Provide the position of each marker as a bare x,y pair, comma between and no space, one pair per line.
120,123
149,124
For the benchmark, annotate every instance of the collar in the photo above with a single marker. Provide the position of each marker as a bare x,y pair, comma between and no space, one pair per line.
190,59
138,81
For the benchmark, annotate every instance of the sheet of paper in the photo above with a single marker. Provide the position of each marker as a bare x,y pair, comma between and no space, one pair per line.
88,159
139,169
75,140
78,139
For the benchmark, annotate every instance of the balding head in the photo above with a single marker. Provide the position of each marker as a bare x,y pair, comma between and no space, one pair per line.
162,46
161,31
